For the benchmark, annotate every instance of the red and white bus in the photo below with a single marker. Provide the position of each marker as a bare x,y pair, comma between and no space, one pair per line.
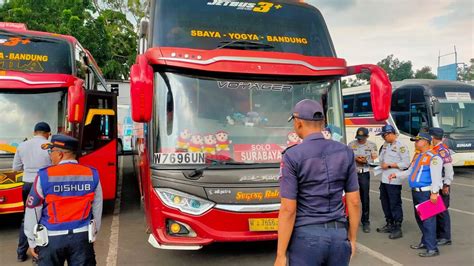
52,78
213,87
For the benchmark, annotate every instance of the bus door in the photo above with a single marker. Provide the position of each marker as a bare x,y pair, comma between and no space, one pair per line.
99,138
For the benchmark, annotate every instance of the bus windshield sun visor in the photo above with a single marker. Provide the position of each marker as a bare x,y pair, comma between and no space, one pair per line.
244,45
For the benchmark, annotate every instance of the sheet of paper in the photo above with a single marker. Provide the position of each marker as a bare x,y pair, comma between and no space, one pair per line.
377,170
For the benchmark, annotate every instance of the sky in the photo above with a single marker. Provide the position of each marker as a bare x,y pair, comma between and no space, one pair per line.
366,31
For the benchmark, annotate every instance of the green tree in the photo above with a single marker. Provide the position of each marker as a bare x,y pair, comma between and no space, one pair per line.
466,72
397,70
425,73
106,33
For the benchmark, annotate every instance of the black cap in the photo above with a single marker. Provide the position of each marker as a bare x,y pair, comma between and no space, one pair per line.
42,126
387,129
436,132
308,110
63,142
362,132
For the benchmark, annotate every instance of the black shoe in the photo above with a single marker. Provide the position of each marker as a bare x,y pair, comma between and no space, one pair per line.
429,253
385,229
443,242
419,246
366,228
396,231
21,258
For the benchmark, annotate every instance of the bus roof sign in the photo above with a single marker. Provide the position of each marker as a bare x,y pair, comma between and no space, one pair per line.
12,25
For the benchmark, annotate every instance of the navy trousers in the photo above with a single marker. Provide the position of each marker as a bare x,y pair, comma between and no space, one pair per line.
443,221
391,199
364,187
73,248
313,245
428,226
22,239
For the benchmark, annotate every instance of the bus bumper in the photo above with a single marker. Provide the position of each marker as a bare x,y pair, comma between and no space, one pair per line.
213,226
463,159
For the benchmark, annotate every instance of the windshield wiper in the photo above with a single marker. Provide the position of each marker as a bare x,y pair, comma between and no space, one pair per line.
198,172
244,45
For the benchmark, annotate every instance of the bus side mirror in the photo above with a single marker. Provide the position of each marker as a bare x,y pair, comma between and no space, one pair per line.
380,89
435,107
141,90
76,98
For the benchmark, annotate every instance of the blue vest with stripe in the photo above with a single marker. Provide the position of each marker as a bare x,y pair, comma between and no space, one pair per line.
69,191
421,174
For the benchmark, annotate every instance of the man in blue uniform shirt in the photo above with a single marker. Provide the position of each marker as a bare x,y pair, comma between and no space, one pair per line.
314,174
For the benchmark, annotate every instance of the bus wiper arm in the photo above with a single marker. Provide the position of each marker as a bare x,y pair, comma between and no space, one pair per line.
244,45
198,172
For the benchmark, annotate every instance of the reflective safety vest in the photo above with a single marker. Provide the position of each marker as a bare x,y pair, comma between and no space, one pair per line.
69,191
421,174
443,151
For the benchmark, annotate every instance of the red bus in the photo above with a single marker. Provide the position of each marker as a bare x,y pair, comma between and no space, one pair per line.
213,87
52,78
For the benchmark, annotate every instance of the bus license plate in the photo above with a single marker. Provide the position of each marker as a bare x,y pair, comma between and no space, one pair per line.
264,224
468,163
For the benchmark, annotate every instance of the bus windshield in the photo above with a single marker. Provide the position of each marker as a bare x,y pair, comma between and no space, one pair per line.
221,23
20,113
34,54
244,120
456,106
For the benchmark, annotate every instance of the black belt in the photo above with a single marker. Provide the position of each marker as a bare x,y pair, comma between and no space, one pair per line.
334,224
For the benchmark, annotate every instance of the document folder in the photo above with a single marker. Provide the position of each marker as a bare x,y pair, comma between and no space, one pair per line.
428,209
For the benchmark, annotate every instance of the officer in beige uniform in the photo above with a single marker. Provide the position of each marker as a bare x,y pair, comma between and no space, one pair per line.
394,158
365,152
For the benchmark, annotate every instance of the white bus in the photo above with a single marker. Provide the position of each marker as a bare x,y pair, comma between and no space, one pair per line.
419,104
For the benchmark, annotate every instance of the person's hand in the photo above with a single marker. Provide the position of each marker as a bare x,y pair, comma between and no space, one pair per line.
446,190
33,253
384,166
353,248
434,198
280,261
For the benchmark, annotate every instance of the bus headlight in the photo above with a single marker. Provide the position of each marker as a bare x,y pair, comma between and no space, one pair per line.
183,201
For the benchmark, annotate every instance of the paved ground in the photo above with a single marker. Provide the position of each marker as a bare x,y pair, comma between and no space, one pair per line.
122,240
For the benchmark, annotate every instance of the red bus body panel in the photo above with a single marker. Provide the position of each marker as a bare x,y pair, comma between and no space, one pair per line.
247,62
213,226
107,169
11,199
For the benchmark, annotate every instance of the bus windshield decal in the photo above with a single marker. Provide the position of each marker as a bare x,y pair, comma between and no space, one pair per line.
247,37
34,54
257,86
458,96
260,7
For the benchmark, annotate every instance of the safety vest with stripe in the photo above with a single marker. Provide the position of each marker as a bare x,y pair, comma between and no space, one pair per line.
443,151
69,191
420,176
